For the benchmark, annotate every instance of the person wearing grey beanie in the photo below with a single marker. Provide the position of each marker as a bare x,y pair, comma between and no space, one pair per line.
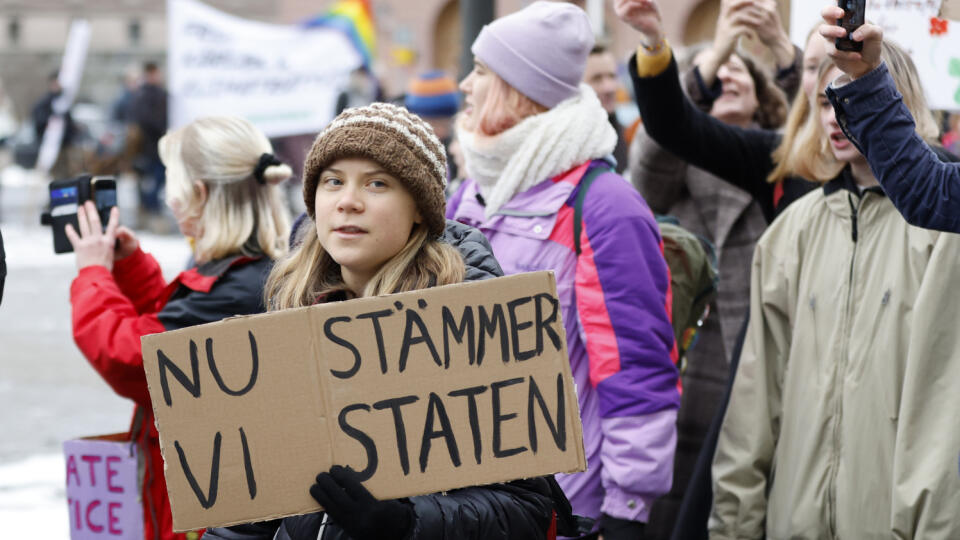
535,140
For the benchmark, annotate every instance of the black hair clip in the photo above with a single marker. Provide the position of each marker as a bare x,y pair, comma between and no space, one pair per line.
266,160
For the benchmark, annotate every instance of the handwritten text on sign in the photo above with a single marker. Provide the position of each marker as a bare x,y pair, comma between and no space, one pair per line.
421,392
103,497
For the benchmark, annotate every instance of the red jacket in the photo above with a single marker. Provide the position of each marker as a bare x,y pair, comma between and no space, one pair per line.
112,311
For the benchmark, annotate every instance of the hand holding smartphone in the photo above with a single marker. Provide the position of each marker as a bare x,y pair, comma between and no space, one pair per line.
853,18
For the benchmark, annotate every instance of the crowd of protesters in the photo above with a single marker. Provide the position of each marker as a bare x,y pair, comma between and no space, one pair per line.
817,400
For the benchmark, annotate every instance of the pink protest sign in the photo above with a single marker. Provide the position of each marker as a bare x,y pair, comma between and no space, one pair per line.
102,494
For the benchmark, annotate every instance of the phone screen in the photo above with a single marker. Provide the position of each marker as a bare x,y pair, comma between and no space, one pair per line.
105,198
853,18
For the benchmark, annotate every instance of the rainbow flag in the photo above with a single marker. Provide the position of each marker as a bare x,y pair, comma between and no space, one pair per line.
355,19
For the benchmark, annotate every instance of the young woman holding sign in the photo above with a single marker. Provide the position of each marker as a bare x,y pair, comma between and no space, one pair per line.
373,187
222,185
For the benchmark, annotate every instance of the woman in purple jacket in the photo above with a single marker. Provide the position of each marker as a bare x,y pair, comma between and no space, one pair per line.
531,135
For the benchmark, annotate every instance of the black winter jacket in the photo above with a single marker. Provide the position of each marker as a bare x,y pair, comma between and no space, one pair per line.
475,249
523,509
520,510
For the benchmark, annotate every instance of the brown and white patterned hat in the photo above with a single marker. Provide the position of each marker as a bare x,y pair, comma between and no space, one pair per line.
399,141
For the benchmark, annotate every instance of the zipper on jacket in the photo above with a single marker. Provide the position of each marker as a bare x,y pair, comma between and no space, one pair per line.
847,324
853,217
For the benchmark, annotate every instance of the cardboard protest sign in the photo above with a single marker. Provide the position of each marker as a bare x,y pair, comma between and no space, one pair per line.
421,392
103,496
284,79
950,9
933,43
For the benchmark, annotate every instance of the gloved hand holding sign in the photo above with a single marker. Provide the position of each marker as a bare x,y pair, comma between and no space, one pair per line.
358,512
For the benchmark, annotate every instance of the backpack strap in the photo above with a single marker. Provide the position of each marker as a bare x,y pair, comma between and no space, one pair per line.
585,184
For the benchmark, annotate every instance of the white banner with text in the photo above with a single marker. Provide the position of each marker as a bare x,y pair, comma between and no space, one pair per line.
283,78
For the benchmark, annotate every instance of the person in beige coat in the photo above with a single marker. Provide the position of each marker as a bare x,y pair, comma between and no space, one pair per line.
843,417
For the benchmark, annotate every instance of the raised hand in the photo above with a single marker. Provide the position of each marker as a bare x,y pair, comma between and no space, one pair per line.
643,16
770,31
854,64
93,245
737,18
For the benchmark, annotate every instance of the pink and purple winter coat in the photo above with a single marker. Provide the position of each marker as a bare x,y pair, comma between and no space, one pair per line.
615,306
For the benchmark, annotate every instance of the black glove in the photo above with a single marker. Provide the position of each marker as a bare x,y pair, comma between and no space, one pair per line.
620,529
356,511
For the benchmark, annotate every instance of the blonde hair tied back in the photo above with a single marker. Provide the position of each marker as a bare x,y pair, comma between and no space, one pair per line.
277,174
238,214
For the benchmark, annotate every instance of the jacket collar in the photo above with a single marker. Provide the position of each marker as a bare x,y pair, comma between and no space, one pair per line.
201,278
845,181
547,197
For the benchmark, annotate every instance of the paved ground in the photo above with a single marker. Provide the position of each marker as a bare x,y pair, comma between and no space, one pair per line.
48,393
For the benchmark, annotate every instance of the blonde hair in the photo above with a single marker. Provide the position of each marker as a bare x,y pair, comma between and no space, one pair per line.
504,107
309,274
784,158
239,214
786,162
813,154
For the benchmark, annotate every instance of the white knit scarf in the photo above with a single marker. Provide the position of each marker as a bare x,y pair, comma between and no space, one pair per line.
538,148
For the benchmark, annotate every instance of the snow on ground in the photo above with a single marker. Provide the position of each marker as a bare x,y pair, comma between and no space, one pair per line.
47,391
33,498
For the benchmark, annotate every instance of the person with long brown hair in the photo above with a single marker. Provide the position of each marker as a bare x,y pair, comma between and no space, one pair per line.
373,187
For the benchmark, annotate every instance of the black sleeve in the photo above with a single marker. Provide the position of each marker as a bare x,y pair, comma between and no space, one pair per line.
789,78
495,512
738,156
697,91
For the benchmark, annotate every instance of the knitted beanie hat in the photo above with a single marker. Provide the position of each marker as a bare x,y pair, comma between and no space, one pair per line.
540,50
400,142
433,94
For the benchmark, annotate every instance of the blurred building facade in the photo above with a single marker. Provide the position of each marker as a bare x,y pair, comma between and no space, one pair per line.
413,36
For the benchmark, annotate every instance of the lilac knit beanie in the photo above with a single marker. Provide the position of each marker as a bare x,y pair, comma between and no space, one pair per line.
540,50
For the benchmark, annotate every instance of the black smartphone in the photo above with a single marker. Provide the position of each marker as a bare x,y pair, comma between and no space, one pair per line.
853,18
67,195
